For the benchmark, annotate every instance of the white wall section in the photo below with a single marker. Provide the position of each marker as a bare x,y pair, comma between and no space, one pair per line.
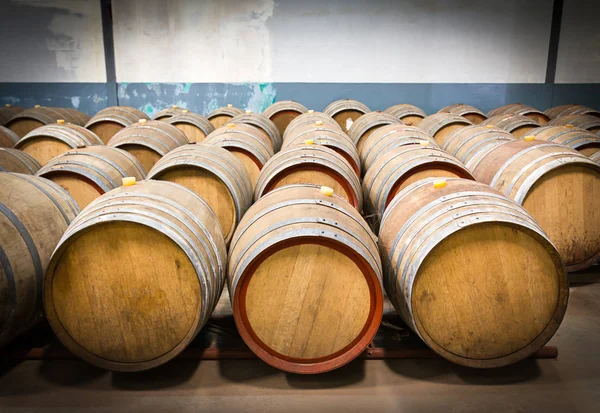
579,46
51,41
344,41
193,41
420,41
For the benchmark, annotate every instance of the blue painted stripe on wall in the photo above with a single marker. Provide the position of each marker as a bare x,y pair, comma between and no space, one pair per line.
205,97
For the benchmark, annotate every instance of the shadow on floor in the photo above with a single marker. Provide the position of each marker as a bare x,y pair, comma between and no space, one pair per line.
171,374
71,373
246,371
351,373
443,371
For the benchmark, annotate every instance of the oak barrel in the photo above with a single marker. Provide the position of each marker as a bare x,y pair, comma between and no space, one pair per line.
390,137
222,116
283,112
34,214
310,118
29,119
310,164
467,142
582,140
329,136
213,173
49,141
399,167
595,157
88,172
408,114
565,110
518,125
107,122
7,138
305,283
195,127
148,141
440,125
345,112
136,276
522,110
247,143
263,123
15,160
168,113
473,114
558,186
7,112
369,123
589,122
471,272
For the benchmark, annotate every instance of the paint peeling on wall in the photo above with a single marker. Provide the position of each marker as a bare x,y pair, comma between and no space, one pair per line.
199,98
203,97
86,97
263,95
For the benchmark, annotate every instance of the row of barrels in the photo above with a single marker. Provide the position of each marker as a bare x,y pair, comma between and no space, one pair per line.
290,323
377,148
140,140
516,118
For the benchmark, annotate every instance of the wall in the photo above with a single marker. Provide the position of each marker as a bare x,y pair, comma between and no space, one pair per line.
336,41
579,47
205,54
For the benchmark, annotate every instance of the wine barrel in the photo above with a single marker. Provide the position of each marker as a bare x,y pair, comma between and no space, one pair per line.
390,137
310,118
399,167
331,137
88,172
595,157
518,125
107,122
576,138
465,143
408,114
310,164
588,122
195,127
345,112
29,119
283,112
304,276
47,142
15,160
148,141
168,113
473,114
369,123
566,110
222,116
34,214
471,272
247,143
522,110
8,112
7,138
263,123
558,186
136,275
213,173
440,125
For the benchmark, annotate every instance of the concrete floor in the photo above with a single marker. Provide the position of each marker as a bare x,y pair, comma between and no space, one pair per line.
570,383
